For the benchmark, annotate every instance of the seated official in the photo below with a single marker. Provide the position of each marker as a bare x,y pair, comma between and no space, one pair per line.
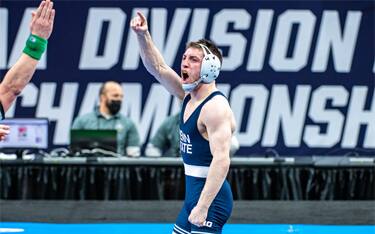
166,141
107,116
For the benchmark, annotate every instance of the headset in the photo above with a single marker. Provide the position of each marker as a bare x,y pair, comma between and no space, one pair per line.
211,65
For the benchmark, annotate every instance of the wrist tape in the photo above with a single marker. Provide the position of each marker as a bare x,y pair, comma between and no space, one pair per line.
35,46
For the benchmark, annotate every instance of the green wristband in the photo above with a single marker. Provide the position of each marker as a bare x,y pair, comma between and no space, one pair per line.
35,46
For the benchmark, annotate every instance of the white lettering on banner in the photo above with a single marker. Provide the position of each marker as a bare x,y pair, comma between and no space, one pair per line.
116,23
240,19
3,37
132,103
270,111
329,37
342,44
357,116
331,118
168,43
29,98
90,98
62,114
230,29
280,61
198,24
155,108
281,114
260,40
258,95
319,113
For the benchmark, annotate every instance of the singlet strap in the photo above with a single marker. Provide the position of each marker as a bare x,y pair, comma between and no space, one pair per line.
184,103
213,94
188,97
2,116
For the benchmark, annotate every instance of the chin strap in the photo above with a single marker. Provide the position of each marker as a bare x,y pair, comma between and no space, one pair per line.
190,87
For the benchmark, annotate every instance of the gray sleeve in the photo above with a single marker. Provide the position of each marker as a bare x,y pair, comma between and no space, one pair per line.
77,123
133,138
159,140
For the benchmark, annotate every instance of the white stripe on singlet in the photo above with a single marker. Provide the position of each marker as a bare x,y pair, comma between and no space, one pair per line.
196,171
180,230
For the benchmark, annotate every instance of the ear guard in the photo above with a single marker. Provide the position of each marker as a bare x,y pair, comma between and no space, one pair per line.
211,65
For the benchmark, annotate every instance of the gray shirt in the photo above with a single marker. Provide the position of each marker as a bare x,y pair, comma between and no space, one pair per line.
167,138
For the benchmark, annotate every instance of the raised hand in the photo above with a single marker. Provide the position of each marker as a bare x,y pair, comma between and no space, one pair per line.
42,20
139,24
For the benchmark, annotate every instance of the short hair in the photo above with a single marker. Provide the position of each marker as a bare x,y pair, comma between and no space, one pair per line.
103,87
210,45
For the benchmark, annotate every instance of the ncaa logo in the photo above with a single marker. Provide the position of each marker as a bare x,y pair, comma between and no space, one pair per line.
207,223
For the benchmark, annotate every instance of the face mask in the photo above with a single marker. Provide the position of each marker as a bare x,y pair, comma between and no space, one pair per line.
114,106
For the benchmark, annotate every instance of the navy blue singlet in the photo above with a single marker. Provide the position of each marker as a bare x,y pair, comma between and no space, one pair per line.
197,157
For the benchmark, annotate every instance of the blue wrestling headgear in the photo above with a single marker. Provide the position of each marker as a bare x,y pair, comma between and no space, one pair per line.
210,69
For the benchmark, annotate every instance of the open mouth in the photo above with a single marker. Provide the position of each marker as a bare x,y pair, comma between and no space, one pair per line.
184,75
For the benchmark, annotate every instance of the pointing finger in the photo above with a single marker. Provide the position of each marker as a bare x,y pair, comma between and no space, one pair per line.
141,16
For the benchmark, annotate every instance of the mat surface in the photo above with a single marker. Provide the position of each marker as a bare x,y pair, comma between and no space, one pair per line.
43,228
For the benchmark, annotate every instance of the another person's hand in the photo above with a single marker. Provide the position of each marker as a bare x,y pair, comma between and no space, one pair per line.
139,24
4,131
42,20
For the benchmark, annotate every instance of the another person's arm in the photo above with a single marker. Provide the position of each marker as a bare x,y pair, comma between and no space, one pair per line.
158,141
153,60
217,117
21,73
78,123
132,146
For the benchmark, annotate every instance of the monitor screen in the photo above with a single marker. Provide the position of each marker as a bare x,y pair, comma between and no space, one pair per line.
90,139
26,133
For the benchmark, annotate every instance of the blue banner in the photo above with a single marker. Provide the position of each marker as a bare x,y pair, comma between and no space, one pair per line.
299,74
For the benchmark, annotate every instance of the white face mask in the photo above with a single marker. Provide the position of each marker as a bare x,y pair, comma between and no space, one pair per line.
191,86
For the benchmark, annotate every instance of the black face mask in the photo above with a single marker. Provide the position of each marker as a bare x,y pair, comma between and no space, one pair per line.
114,106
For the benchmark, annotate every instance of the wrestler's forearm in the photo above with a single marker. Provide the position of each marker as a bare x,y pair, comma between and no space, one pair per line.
16,79
216,175
156,66
151,56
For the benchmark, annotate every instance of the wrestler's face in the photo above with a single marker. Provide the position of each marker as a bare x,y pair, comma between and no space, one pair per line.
191,65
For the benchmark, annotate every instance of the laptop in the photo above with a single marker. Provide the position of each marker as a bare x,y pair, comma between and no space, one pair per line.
81,139
26,133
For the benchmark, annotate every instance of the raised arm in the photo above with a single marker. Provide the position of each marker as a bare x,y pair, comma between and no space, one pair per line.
22,71
218,119
153,60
